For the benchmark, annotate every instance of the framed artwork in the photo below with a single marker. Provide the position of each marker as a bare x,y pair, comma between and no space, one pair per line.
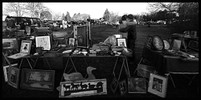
82,88
114,85
123,87
10,43
13,76
5,71
71,42
121,42
37,79
25,46
176,44
158,85
137,85
43,41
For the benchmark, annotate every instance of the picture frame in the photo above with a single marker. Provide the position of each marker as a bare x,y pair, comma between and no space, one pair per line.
157,43
43,41
137,85
71,42
123,87
80,88
158,85
121,42
5,71
13,76
26,46
176,44
37,79
10,43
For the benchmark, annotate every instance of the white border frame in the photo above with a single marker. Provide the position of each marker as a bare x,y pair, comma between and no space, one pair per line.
46,39
5,71
164,85
121,40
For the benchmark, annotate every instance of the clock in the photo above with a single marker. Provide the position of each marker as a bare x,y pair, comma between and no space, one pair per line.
157,43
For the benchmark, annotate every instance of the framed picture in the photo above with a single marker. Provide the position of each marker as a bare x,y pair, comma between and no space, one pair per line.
5,71
121,42
13,76
71,42
25,46
123,87
176,44
37,79
10,43
137,85
82,88
43,41
158,85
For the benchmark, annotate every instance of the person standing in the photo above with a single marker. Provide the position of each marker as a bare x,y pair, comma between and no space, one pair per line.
131,38
123,25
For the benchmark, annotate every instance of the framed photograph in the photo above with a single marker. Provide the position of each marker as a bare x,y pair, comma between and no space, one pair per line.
137,85
123,87
176,44
43,41
37,79
121,42
82,88
71,42
10,43
158,85
25,46
5,71
13,76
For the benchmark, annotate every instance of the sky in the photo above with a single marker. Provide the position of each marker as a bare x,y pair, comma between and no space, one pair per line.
96,10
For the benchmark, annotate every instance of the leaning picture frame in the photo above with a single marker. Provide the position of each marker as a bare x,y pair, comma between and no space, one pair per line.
121,42
158,85
37,79
43,41
5,71
137,85
26,46
10,43
13,76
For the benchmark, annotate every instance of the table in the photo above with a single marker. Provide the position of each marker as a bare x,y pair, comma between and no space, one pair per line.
167,65
108,67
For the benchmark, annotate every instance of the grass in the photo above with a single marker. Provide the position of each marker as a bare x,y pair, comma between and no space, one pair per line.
100,32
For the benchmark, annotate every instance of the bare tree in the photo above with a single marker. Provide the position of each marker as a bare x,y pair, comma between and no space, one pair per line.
35,9
15,7
170,7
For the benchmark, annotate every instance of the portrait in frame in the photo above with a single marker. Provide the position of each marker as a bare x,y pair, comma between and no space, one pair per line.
5,70
13,76
37,79
71,42
158,85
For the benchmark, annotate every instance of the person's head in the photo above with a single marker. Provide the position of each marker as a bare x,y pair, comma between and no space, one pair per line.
123,19
130,18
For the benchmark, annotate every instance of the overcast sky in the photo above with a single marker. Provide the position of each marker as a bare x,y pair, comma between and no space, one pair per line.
96,10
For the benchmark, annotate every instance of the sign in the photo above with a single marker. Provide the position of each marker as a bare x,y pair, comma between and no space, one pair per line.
81,88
